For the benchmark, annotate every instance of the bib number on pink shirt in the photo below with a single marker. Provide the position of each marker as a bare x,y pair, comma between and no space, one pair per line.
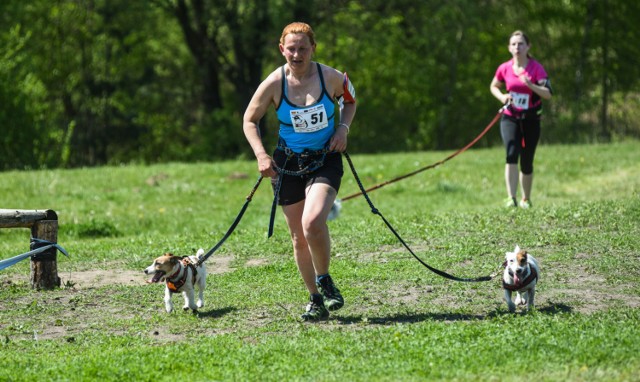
520,100
308,120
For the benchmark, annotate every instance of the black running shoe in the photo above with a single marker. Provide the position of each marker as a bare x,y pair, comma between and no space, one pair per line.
332,298
315,310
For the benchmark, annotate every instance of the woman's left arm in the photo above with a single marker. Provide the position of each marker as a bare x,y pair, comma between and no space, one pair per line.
340,84
540,88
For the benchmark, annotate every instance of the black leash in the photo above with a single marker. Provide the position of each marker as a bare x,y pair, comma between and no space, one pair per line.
375,211
233,226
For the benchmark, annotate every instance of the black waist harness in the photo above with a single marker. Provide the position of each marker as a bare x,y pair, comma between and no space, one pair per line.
308,162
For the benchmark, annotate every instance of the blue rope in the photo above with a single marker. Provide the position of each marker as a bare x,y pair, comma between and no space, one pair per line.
16,259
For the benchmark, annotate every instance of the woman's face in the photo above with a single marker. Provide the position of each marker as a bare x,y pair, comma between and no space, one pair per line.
518,46
297,50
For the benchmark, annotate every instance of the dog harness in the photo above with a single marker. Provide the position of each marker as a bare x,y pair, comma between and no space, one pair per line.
533,275
175,285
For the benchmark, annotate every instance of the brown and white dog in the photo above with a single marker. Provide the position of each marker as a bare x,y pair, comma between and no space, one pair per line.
180,275
521,275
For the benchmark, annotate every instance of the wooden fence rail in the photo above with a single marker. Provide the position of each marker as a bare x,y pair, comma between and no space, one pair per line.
44,226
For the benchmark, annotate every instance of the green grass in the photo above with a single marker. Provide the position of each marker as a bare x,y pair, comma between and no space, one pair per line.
400,322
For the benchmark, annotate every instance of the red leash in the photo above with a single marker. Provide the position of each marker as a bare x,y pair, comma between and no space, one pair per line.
465,148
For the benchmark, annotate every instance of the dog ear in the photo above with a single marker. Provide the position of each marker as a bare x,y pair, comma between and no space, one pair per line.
168,254
516,249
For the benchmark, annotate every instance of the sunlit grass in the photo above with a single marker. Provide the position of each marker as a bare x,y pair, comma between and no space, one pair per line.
401,322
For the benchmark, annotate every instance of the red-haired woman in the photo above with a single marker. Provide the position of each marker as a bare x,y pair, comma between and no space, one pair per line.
306,167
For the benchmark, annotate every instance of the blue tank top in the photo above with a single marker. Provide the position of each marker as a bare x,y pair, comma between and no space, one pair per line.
306,127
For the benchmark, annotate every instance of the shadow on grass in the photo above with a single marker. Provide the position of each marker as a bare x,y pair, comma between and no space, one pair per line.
410,318
556,308
215,313
551,309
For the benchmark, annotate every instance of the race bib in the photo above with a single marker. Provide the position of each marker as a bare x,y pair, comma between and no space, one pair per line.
520,100
308,120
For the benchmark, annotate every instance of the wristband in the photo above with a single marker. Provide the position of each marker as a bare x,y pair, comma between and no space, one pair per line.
345,125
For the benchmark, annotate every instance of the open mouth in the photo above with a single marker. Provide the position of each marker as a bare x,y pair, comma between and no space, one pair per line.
156,277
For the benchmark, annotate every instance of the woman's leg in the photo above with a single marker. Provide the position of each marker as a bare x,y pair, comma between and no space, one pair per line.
319,200
526,180
511,179
531,131
511,137
301,253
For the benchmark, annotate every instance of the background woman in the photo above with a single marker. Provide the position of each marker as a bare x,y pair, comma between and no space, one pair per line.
527,84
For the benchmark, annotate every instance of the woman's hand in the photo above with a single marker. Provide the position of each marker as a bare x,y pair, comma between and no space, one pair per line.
266,165
338,141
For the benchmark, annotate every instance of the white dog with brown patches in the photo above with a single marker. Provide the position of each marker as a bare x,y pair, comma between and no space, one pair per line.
521,275
180,275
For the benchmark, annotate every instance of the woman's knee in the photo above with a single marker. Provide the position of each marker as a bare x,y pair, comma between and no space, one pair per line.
313,226
526,169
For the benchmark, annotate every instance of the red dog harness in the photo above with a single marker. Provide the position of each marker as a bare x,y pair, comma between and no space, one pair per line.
175,285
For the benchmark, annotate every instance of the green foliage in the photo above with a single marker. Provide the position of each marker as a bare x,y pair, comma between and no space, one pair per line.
110,82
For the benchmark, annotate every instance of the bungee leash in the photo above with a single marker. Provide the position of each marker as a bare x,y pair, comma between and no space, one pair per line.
460,151
375,211
313,165
309,167
233,226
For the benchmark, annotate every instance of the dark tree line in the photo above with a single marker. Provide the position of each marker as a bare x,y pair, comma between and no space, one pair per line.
92,82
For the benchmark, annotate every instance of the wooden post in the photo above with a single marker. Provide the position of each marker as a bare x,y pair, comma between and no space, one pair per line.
44,266
22,218
44,226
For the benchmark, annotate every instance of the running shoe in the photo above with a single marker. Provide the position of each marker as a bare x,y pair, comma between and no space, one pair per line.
525,203
332,298
316,310
510,202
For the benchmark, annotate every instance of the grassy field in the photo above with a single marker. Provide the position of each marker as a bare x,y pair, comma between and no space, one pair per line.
400,322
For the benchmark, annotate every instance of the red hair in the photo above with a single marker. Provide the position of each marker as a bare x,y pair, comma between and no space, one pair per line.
298,27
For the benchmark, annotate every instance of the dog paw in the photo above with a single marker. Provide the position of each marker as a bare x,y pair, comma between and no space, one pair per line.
200,303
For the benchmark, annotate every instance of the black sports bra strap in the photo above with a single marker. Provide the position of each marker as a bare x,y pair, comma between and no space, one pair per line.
321,77
284,83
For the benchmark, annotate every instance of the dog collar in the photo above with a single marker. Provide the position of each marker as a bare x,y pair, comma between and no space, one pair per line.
533,275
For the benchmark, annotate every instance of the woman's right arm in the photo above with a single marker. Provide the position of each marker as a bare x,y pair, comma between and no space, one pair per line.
496,90
257,108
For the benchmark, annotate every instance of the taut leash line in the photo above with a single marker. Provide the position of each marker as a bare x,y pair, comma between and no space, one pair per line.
460,151
375,211
233,225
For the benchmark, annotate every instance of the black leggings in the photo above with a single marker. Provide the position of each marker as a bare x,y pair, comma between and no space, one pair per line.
520,137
